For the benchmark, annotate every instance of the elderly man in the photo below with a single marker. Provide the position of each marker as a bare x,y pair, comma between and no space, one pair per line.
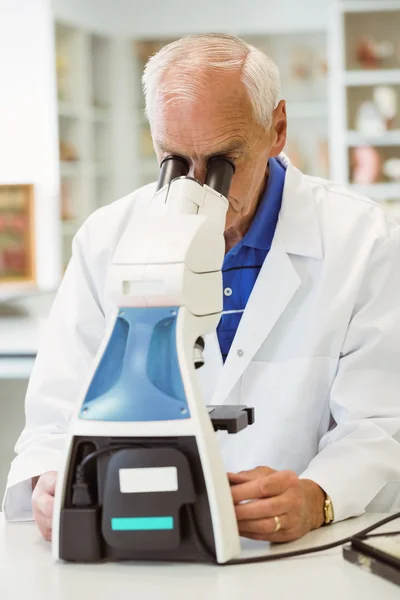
310,332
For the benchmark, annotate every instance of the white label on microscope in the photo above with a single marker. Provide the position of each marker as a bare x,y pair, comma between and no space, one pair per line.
157,479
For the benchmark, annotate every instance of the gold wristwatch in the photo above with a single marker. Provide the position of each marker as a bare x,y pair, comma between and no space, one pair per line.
328,510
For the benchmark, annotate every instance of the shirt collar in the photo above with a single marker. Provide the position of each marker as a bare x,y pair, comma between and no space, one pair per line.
262,228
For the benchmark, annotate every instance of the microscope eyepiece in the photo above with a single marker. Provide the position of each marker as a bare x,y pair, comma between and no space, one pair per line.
171,167
220,171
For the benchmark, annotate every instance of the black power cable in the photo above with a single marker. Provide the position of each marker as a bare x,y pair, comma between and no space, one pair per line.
80,490
291,554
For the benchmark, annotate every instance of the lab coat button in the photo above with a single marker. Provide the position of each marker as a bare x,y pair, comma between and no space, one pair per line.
228,291
240,353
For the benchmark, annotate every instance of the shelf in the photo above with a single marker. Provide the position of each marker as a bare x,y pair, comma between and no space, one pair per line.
69,110
69,228
100,115
372,77
70,169
16,367
10,291
359,6
389,138
378,191
99,169
307,110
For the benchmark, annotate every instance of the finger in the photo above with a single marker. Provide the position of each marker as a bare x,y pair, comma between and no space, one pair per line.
235,478
48,480
264,487
265,508
47,533
260,537
45,505
276,538
244,476
44,524
263,526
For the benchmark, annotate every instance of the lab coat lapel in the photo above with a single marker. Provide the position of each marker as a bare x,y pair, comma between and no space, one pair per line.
297,233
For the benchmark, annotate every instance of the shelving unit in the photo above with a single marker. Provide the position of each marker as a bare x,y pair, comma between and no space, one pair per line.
389,138
88,118
370,78
364,90
379,191
302,61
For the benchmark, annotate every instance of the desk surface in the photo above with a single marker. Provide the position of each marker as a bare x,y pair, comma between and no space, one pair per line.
21,326
19,341
27,571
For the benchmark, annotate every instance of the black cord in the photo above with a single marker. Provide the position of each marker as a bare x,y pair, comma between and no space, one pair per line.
81,467
206,552
81,496
385,534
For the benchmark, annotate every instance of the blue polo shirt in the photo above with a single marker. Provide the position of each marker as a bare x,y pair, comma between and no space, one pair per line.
243,262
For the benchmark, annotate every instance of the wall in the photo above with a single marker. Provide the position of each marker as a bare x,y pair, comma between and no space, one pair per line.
28,119
229,16
100,16
161,17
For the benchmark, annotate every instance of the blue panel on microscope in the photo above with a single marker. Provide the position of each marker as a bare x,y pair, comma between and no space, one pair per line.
138,377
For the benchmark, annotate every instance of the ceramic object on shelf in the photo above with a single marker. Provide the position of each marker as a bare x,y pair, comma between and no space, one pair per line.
385,98
67,212
369,120
370,53
391,169
366,165
68,151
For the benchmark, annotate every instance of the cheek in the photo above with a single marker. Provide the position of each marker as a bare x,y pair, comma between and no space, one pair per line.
247,179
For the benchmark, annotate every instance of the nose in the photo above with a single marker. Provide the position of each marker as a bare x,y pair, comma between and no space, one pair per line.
198,171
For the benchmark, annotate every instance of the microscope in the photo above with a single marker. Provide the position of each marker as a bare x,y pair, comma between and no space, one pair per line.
142,477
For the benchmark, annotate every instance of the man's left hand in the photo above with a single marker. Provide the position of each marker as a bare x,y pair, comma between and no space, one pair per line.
297,504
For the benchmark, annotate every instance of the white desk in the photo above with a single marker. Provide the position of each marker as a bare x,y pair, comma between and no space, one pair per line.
27,571
20,334
19,341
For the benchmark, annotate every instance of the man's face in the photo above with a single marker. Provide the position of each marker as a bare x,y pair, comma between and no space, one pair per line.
220,121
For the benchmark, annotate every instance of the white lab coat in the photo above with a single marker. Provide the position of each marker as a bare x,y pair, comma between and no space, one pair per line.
317,352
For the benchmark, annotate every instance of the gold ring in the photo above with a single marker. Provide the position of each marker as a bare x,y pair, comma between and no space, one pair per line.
278,524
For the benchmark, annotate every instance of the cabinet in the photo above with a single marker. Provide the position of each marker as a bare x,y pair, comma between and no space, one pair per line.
365,98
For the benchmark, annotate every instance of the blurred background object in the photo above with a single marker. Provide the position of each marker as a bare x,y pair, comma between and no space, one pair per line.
73,129
364,122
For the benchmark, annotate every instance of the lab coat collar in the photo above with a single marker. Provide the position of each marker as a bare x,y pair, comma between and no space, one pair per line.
297,233
298,225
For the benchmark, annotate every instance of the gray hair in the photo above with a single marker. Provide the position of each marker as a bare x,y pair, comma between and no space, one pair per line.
259,74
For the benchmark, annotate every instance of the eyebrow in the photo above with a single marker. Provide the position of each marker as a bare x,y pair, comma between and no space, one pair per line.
233,146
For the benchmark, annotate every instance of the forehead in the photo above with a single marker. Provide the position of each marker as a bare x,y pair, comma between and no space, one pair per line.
201,114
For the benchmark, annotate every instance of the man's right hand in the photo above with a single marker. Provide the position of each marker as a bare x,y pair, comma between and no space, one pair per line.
43,502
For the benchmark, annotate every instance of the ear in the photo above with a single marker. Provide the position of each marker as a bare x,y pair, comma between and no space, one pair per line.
279,129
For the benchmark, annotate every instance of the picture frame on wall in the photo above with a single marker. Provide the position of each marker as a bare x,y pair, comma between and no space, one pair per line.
17,234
